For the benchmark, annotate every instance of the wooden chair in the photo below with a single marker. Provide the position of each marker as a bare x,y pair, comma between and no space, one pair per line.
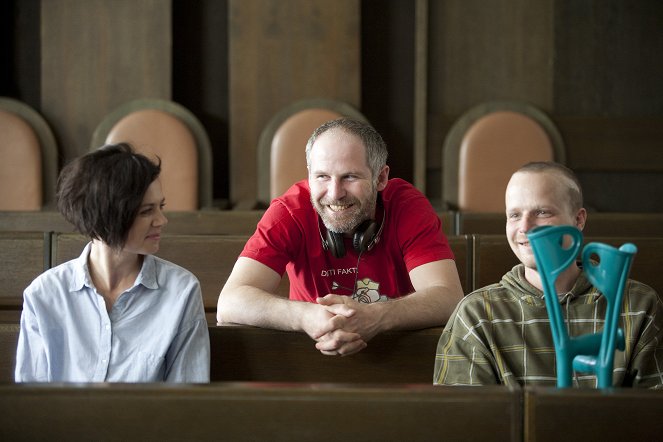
170,131
29,166
486,145
282,143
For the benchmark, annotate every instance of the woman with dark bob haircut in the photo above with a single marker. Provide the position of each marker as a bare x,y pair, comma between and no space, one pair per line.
116,313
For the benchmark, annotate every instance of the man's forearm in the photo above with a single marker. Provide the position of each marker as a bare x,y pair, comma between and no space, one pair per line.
252,306
430,307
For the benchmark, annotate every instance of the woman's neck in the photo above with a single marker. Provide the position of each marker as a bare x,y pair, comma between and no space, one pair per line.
112,271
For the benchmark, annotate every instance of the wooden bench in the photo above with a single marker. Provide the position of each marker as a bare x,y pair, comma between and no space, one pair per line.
585,414
259,412
33,221
242,353
8,343
598,224
23,256
201,222
492,258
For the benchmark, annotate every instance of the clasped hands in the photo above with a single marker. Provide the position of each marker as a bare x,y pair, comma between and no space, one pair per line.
341,325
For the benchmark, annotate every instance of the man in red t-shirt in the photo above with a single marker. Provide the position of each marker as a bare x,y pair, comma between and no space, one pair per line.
364,254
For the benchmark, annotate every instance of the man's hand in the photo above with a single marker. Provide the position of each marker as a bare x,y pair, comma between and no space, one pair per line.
339,342
365,321
325,324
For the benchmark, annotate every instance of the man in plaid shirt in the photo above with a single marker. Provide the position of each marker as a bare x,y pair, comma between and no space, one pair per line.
500,334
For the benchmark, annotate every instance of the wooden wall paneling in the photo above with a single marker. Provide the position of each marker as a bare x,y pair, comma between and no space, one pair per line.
479,53
200,76
613,144
608,58
281,52
96,55
420,92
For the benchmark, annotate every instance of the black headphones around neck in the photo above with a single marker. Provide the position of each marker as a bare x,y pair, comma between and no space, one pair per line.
364,238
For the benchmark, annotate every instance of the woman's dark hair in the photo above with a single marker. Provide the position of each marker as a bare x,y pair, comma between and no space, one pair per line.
100,193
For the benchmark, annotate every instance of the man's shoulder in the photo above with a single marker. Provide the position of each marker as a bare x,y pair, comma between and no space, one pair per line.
642,293
398,186
400,193
481,300
295,204
491,292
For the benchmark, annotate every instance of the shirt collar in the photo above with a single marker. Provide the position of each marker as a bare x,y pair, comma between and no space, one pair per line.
147,276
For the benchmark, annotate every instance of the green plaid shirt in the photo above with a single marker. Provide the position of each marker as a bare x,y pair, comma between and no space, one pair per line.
500,334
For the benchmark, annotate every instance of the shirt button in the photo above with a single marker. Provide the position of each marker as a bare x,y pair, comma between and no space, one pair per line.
107,327
103,361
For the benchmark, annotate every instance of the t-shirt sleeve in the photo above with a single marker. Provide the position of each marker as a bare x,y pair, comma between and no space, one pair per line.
275,238
420,232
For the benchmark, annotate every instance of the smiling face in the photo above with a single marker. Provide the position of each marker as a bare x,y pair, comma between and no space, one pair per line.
537,199
145,232
343,190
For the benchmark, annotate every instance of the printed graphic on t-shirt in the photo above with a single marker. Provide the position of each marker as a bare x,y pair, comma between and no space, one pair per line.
368,291
365,290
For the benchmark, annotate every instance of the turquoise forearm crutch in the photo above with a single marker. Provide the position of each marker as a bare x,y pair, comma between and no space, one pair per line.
555,248
607,268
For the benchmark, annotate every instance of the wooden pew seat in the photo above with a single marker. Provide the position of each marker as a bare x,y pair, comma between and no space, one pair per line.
258,412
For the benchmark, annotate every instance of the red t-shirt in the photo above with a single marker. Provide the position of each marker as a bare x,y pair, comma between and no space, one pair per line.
288,239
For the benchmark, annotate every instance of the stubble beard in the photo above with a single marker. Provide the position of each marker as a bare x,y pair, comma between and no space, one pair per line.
361,211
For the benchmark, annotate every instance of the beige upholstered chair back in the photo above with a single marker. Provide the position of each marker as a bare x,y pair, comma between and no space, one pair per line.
165,129
486,145
282,145
28,170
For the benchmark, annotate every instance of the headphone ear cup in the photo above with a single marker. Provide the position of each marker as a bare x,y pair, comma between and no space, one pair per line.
335,243
362,240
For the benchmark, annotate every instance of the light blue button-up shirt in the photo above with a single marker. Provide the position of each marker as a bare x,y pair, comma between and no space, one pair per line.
156,330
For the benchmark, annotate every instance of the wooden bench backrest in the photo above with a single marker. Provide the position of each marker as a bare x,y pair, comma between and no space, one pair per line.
257,412
462,248
23,256
241,353
8,343
598,224
587,414
493,258
200,222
